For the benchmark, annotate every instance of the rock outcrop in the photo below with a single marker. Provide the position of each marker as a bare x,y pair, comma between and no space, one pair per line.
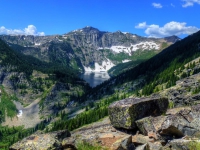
185,122
43,141
124,113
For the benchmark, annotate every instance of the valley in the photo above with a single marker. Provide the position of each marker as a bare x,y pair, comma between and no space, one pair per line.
60,82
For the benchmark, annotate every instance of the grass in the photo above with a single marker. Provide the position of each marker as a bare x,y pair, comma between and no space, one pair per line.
86,146
194,145
171,105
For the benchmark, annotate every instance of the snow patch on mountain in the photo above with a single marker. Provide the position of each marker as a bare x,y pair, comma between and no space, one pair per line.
125,32
126,60
37,43
106,65
142,45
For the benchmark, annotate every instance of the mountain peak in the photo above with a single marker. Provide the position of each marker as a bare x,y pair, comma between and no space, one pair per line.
172,38
87,29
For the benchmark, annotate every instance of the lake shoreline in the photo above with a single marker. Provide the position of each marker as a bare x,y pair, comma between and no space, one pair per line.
95,78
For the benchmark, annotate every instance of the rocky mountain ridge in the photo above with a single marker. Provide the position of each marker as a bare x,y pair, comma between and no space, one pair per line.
87,49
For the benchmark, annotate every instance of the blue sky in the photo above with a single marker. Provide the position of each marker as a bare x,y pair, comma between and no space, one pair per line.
153,18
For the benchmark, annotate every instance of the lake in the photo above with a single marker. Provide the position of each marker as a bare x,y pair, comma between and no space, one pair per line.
95,78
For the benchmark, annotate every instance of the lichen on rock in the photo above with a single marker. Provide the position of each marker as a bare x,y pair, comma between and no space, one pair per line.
124,113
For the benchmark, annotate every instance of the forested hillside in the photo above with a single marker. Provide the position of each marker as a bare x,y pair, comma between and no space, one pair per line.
24,79
156,71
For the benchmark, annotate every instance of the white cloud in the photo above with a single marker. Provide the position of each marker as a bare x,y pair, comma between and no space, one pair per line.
141,25
30,30
188,3
157,5
171,28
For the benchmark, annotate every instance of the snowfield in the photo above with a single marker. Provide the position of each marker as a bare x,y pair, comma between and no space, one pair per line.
19,113
37,43
106,65
141,45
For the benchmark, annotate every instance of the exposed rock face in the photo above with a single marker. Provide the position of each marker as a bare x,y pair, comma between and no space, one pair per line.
42,141
53,97
124,113
12,79
182,94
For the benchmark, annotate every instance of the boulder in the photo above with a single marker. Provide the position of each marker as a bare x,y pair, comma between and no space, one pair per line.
150,126
124,143
69,143
185,122
124,113
39,140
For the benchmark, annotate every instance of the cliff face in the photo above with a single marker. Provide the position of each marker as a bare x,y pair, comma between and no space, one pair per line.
87,48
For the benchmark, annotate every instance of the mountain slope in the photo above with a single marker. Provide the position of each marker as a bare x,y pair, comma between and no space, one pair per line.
155,71
25,79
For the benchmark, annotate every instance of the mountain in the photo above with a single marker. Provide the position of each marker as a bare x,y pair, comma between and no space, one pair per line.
89,49
40,76
170,80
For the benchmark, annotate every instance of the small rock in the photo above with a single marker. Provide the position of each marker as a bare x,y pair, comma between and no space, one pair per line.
140,139
141,147
113,130
123,144
154,146
68,143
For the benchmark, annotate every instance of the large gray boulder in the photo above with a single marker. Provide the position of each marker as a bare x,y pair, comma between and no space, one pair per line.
124,113
185,122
